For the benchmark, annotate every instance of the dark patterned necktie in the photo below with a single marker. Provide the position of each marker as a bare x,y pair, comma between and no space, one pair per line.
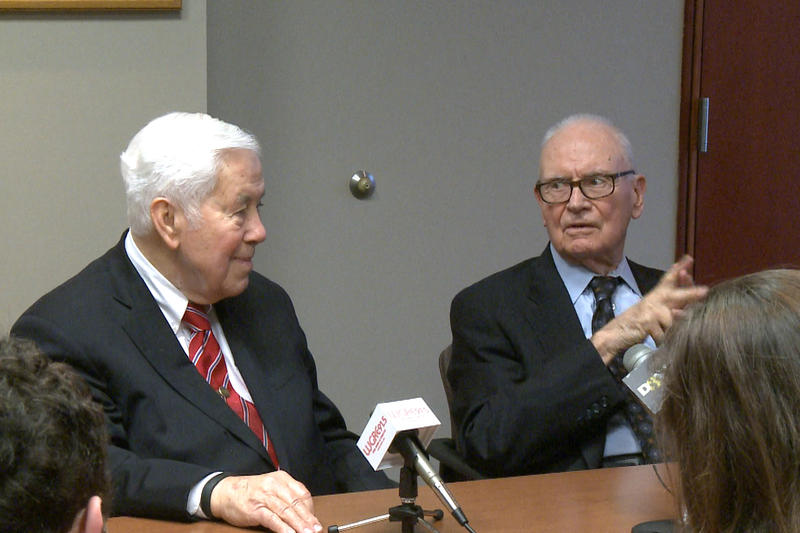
205,353
603,288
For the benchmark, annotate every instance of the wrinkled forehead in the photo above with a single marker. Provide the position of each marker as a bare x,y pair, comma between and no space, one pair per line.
239,172
583,148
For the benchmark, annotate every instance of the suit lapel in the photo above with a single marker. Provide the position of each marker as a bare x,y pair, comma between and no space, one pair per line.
149,331
550,313
552,316
263,374
646,278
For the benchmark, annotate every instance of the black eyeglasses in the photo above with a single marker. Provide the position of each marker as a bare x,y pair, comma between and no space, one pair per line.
594,187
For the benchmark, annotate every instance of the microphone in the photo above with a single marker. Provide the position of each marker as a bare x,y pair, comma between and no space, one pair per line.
645,382
407,444
398,432
643,378
635,355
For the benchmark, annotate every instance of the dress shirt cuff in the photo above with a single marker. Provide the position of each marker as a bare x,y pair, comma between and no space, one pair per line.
193,504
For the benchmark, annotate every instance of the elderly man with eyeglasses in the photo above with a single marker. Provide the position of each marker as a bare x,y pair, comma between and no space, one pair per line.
536,362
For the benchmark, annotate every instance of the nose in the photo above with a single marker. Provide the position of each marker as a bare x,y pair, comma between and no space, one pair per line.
577,200
256,232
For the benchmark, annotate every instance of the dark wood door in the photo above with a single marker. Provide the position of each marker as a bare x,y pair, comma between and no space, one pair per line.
739,204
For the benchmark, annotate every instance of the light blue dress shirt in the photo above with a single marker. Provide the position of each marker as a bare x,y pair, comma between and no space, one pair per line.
620,438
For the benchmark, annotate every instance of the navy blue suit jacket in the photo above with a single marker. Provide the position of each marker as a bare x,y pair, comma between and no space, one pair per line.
530,392
168,428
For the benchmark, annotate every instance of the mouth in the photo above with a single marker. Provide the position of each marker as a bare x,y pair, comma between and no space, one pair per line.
245,255
579,229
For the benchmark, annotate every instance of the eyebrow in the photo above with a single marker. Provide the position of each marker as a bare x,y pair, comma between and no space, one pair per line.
580,177
246,198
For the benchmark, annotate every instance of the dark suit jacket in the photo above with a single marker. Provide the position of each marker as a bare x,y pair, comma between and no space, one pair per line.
168,428
531,394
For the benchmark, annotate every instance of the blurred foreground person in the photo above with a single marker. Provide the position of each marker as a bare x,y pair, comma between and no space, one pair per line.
53,442
731,411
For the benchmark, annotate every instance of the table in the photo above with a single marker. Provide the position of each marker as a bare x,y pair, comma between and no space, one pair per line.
609,500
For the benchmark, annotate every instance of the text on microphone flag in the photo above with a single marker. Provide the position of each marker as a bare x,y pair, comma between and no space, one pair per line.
389,419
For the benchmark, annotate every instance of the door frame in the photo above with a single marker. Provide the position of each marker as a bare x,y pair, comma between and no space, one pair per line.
687,128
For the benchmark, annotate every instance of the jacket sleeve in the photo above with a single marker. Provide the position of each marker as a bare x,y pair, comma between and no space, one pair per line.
522,404
351,470
143,486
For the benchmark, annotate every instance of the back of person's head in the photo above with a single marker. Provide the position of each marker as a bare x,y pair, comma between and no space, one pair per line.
731,411
176,156
53,443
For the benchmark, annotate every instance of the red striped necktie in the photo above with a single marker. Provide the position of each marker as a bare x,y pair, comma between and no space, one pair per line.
205,353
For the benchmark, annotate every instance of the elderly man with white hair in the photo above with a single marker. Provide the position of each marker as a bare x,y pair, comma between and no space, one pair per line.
208,387
536,363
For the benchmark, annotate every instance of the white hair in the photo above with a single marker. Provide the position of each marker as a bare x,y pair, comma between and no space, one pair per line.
622,139
176,156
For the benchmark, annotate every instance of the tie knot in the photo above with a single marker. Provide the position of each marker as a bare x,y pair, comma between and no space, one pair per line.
603,286
197,317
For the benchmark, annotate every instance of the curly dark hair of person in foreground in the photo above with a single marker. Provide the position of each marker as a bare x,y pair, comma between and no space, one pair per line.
731,412
52,445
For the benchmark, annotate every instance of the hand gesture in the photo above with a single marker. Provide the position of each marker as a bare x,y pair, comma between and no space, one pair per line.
653,314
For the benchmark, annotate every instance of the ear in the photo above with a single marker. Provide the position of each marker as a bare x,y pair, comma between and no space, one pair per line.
639,188
94,516
167,221
90,518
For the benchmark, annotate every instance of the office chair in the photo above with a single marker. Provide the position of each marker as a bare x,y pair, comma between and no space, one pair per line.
452,466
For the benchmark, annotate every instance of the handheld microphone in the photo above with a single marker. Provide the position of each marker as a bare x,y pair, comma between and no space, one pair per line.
399,431
645,382
644,378
636,355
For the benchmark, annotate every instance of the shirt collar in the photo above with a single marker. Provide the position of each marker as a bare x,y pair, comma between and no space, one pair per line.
576,277
170,300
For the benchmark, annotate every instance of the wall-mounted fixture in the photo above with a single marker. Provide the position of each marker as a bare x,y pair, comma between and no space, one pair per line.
362,184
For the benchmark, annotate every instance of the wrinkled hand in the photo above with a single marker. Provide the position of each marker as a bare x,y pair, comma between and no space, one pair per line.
275,501
653,314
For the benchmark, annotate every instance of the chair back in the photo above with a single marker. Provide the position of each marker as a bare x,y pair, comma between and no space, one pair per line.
444,364
452,466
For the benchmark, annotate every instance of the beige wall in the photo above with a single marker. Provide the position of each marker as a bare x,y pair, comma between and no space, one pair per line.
445,102
74,88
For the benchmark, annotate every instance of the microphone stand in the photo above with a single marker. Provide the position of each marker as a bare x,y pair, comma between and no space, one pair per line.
408,512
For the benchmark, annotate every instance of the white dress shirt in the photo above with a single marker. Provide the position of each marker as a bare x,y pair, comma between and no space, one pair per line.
173,304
